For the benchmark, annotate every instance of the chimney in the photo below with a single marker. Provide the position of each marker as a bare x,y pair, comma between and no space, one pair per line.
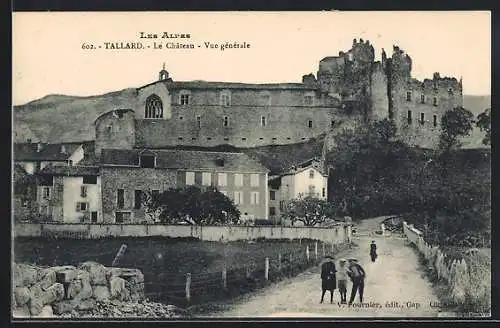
38,147
63,149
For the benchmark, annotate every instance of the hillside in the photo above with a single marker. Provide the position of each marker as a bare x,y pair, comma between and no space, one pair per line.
60,118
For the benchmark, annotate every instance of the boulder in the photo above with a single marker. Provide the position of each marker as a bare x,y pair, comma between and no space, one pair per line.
66,276
100,293
74,288
47,312
65,306
85,305
53,293
118,289
25,275
36,306
132,275
48,278
96,271
22,295
21,312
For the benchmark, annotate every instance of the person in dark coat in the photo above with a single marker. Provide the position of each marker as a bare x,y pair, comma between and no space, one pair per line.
328,277
373,251
357,275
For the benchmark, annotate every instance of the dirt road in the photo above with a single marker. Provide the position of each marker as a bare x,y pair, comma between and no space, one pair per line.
394,287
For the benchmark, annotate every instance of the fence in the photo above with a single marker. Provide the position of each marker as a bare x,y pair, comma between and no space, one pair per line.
463,281
338,234
193,288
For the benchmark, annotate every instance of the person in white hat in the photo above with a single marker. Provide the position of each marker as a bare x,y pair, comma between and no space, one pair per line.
342,280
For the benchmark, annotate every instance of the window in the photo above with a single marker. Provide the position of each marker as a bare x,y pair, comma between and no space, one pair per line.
206,178
147,161
408,96
422,99
409,119
311,174
422,118
308,100
154,107
332,124
89,179
243,139
83,191
434,101
450,91
226,139
254,200
189,178
238,179
272,210
238,197
93,217
272,195
120,198
226,121
137,199
222,179
312,190
109,128
180,138
121,217
435,120
198,121
323,192
155,192
82,207
46,192
181,118
184,99
310,124
254,180
263,121
225,99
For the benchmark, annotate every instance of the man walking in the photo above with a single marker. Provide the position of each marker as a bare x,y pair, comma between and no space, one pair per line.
328,277
373,251
357,275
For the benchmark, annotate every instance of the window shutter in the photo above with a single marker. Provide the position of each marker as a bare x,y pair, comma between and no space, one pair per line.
78,207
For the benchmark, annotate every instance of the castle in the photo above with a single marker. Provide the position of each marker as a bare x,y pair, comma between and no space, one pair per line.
348,89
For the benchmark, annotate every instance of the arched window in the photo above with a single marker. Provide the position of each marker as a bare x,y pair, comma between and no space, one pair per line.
154,107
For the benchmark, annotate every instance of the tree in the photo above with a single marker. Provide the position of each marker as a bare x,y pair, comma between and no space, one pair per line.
455,123
484,124
192,206
310,211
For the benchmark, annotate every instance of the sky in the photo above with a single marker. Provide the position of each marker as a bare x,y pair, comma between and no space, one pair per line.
48,57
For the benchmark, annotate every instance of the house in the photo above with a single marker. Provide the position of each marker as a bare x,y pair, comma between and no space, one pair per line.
126,173
300,181
69,194
35,156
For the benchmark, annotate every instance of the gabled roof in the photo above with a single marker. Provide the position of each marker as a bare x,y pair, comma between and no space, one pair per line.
232,85
49,152
70,170
309,165
184,159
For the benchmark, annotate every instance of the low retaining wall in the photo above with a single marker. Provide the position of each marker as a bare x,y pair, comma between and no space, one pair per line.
337,235
43,292
455,272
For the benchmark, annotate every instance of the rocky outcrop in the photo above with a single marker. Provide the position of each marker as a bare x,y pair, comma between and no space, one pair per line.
70,290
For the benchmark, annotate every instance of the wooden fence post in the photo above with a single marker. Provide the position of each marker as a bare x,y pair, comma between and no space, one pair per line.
188,287
332,249
316,250
291,258
323,244
279,262
307,252
266,272
248,272
224,277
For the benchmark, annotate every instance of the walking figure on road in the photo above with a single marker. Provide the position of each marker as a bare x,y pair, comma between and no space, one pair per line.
342,280
328,277
373,251
357,275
